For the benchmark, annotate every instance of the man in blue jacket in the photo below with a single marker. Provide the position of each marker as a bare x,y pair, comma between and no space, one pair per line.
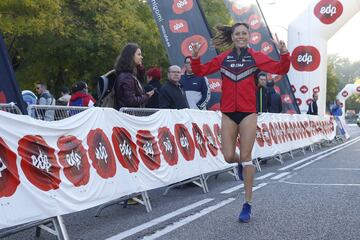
196,88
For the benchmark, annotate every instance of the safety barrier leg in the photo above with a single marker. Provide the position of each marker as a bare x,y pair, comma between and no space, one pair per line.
145,201
278,157
54,225
198,181
257,164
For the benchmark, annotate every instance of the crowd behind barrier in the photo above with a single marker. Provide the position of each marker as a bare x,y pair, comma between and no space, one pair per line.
112,148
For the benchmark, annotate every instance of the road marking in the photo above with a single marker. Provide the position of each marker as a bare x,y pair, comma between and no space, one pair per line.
188,219
259,186
156,221
280,175
264,176
341,169
233,189
324,184
325,155
319,154
304,165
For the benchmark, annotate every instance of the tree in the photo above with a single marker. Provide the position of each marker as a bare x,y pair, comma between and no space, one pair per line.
332,84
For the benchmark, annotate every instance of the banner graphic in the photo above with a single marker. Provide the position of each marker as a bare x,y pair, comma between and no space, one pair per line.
54,168
180,23
261,40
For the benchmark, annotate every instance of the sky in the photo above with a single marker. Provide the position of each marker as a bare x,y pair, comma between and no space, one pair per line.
279,13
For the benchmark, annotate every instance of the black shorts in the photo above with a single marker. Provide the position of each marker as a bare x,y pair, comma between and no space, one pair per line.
237,117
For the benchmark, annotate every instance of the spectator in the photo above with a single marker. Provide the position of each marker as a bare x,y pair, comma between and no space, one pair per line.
197,89
274,99
45,98
261,96
153,76
335,109
65,96
171,94
80,95
313,108
128,89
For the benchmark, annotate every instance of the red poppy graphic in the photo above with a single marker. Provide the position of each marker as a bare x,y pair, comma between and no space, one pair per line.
101,154
178,26
38,162
285,98
199,140
266,48
358,89
238,9
273,133
217,132
266,134
73,158
181,6
184,142
215,85
298,101
304,89
9,175
345,94
125,149
210,140
309,101
168,146
305,58
254,22
148,149
255,38
293,88
316,89
186,45
259,137
327,11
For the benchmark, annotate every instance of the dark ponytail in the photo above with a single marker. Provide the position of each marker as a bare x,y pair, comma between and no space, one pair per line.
223,34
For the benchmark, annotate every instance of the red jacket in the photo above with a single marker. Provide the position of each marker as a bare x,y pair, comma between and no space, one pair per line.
238,76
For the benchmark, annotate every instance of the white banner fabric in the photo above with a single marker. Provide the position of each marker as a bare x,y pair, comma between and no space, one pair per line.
54,168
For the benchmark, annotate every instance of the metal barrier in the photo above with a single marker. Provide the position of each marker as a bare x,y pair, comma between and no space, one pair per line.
53,113
10,107
139,112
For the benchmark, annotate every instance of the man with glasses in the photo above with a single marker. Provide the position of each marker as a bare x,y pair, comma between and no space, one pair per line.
196,88
45,98
172,96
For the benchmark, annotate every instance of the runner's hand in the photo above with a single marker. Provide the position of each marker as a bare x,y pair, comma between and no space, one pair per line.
195,49
280,45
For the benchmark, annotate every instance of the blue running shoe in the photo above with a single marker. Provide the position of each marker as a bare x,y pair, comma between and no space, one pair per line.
245,213
240,172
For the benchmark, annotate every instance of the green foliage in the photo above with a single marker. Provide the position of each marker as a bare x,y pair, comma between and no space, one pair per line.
342,71
332,83
63,41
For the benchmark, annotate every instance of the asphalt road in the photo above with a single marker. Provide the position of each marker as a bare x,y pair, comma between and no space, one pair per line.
315,196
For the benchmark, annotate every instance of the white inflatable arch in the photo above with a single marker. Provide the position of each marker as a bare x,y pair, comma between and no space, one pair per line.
347,92
307,39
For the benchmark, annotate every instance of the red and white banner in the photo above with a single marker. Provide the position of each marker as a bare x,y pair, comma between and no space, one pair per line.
53,168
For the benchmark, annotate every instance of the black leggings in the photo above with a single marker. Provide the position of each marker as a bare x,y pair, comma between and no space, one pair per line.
237,117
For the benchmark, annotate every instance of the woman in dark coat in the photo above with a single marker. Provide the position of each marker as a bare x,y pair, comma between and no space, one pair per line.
128,89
